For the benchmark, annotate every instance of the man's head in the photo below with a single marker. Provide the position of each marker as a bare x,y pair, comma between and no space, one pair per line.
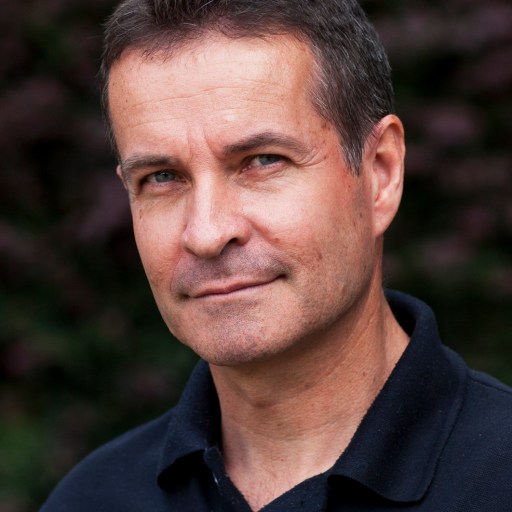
350,84
256,235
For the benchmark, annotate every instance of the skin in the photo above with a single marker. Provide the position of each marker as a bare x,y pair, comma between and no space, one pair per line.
262,248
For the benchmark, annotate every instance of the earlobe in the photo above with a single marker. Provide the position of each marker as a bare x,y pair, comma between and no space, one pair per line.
385,157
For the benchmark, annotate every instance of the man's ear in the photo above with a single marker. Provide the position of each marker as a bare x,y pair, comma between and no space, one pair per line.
119,172
384,162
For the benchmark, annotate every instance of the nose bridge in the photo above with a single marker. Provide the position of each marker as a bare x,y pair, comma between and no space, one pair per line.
214,218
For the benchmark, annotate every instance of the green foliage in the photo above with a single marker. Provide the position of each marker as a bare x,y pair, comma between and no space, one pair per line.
83,352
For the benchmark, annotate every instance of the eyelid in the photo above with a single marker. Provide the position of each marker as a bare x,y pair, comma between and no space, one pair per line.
280,159
146,180
151,175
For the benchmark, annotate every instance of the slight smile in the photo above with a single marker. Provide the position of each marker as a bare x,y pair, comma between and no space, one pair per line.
230,289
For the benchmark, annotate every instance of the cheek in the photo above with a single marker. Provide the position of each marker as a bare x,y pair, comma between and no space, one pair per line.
341,228
286,224
299,225
156,242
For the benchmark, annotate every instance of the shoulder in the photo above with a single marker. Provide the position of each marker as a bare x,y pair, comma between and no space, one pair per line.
488,400
491,384
487,411
485,418
478,454
474,469
113,470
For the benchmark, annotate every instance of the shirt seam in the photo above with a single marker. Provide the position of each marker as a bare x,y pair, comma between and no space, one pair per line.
478,380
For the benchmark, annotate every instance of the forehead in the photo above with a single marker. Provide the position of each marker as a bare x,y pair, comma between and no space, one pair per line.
260,79
205,54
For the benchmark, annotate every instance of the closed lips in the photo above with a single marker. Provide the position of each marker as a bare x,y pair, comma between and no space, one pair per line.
224,289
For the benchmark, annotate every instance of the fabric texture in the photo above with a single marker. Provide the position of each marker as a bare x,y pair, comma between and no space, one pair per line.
437,438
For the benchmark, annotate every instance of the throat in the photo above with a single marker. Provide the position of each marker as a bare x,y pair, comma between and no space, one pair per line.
273,446
271,475
260,493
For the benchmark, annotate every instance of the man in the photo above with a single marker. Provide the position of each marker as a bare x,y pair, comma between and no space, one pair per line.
263,163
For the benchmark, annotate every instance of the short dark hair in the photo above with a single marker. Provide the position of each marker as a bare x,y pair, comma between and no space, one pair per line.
352,88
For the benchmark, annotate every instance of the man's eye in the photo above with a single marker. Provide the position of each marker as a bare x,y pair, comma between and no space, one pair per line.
263,160
162,177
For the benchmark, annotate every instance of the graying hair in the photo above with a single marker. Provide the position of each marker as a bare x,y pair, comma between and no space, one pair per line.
352,86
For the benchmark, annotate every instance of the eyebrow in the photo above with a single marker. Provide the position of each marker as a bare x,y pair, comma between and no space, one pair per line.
259,140
136,162
245,145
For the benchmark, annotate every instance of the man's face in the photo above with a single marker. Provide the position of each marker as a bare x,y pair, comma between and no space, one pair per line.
255,236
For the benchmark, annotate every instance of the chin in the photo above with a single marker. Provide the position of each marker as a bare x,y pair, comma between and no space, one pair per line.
234,346
231,337
231,353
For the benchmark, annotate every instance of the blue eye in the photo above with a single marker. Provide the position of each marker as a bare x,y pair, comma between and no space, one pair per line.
163,176
263,160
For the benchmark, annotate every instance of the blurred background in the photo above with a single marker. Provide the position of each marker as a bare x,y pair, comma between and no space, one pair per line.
83,352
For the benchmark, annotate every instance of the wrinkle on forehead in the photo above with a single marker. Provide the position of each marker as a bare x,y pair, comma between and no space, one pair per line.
219,91
151,113
222,85
202,52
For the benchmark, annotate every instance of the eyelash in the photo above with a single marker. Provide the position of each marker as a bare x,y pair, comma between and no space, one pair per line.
279,160
152,177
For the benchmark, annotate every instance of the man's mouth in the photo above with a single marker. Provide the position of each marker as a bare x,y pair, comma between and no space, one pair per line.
231,288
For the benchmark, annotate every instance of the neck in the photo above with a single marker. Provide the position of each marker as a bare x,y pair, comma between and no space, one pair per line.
289,418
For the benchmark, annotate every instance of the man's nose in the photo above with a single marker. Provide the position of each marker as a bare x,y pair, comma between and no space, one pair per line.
215,219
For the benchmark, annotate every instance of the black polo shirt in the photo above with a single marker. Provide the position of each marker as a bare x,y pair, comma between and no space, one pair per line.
437,438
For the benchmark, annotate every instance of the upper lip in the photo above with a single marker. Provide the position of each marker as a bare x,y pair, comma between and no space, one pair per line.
225,288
